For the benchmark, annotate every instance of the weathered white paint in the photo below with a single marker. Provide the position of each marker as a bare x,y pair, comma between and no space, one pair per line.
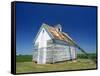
42,40
40,36
68,57
43,55
73,52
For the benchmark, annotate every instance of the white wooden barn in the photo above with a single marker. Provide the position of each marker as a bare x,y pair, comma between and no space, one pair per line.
52,45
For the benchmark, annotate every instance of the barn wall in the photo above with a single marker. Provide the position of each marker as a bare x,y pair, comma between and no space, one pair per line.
49,57
35,55
73,52
42,44
61,53
54,54
47,37
58,53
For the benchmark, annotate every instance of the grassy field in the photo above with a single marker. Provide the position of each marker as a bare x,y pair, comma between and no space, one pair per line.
24,64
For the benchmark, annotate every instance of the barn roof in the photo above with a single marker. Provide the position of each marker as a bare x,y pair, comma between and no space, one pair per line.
55,34
58,35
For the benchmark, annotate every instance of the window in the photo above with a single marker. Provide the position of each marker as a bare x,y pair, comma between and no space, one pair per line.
43,31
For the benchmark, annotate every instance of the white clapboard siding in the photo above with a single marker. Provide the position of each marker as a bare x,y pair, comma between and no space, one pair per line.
49,51
42,39
73,52
59,53
40,36
35,56
68,57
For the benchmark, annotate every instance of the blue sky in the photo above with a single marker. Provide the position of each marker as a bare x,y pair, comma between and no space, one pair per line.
78,22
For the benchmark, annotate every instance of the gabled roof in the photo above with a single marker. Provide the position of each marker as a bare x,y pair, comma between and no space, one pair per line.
56,35
59,35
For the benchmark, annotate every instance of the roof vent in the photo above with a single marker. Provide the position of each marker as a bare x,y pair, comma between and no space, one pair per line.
58,27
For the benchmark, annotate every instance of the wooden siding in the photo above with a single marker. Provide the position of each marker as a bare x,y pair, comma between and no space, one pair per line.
57,53
73,52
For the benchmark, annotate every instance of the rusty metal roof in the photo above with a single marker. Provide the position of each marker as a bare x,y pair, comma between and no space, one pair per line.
59,35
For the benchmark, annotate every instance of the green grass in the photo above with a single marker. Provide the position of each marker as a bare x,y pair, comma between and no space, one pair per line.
28,58
25,67
24,64
23,58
